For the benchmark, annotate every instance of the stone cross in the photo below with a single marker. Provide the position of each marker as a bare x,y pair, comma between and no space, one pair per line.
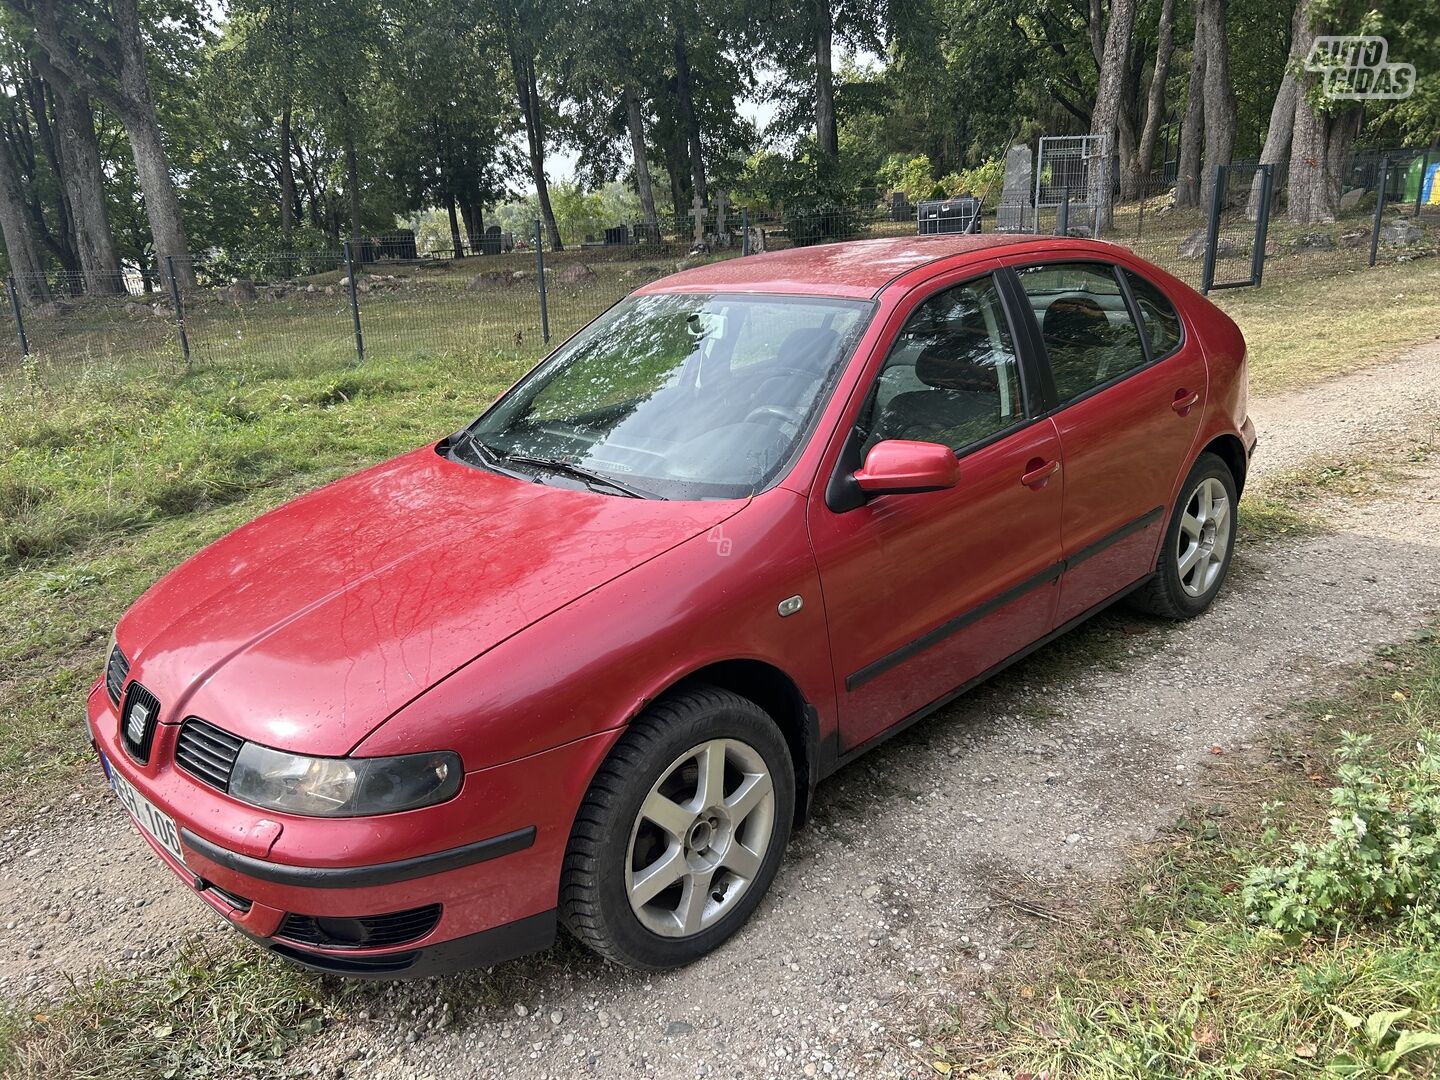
698,213
722,203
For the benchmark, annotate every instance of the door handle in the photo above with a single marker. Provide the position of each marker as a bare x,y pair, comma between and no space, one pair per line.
1038,472
1184,402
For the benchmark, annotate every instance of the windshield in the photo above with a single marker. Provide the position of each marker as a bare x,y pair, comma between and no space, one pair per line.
677,396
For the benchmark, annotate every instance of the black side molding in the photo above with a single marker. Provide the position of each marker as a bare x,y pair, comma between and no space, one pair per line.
1045,577
354,877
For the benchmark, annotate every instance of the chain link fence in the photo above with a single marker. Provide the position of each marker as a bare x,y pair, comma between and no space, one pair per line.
511,295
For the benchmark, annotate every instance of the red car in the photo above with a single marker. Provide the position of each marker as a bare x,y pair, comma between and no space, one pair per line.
584,661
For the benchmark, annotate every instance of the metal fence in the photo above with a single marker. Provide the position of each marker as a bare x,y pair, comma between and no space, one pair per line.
514,295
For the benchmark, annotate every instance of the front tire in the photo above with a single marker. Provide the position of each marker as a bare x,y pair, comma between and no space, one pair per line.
1198,546
682,831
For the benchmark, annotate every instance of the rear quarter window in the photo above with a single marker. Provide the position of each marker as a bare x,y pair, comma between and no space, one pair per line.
1157,315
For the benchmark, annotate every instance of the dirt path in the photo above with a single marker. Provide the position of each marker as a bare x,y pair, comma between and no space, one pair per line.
913,880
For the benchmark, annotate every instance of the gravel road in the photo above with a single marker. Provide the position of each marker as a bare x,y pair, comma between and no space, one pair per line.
927,860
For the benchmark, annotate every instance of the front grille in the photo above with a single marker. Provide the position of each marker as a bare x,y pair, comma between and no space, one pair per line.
137,721
117,670
206,752
365,932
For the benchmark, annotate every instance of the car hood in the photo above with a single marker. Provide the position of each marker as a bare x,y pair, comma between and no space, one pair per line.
311,625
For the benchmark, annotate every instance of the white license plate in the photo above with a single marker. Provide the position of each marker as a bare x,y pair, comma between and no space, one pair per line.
157,824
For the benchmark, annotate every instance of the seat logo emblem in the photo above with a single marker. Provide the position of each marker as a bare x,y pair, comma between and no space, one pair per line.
136,721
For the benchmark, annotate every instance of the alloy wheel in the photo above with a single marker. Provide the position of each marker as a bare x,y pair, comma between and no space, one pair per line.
1203,542
700,838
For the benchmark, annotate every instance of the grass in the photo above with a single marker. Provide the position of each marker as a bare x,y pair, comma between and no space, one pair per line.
214,1013
1302,331
1285,503
1180,978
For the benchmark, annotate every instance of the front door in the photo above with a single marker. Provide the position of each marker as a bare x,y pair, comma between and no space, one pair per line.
1128,412
924,592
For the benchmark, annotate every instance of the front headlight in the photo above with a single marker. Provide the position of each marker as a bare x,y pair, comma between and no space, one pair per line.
343,787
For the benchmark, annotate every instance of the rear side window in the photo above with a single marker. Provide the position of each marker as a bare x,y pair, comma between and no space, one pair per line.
1085,322
1157,314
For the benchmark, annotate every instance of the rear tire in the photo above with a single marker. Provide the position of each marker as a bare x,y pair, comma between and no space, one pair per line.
1198,545
681,833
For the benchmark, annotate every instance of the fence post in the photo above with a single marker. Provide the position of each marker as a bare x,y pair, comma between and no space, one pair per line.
354,303
540,284
1062,216
1212,232
19,319
178,304
1420,187
1381,189
744,231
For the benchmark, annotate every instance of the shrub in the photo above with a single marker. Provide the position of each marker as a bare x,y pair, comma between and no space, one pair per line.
1381,860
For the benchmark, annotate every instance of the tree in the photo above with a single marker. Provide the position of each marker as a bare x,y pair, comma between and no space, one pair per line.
101,50
1155,99
1219,95
1192,132
21,248
80,171
1104,120
1276,150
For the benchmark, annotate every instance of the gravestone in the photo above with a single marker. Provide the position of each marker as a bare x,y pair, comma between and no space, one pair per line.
697,214
1013,213
491,243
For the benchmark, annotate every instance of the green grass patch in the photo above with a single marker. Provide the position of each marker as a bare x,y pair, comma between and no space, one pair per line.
214,1013
1301,330
1289,937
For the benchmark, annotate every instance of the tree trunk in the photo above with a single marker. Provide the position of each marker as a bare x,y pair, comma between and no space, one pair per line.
1276,150
1192,134
352,167
287,180
635,122
85,187
684,92
1104,120
1128,156
37,96
825,135
457,243
152,166
474,225
527,91
20,245
1155,99
1219,97
1321,143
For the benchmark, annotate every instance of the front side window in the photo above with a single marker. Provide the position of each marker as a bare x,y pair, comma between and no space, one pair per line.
1162,323
1085,322
680,396
952,376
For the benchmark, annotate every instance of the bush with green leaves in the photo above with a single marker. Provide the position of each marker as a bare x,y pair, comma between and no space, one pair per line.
1381,861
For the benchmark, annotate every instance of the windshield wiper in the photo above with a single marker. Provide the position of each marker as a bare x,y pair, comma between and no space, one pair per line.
578,472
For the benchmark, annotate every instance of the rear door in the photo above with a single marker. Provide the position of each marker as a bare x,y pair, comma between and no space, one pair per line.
1127,409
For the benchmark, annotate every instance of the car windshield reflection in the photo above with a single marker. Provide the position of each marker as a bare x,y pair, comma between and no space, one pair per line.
677,396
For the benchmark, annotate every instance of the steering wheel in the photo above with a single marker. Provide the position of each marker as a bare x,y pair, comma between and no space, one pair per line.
784,414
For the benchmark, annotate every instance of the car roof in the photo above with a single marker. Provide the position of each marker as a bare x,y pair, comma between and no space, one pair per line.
855,269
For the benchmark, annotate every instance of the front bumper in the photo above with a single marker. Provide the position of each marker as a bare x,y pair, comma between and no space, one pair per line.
490,858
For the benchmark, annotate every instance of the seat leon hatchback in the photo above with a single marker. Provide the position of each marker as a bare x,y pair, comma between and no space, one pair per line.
583,662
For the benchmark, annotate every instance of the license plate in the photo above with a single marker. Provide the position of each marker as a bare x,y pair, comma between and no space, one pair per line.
158,825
